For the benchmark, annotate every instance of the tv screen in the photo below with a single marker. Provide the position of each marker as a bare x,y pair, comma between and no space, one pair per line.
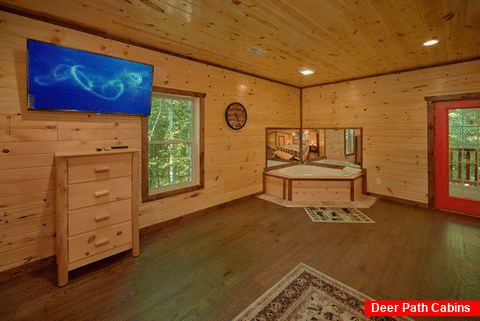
65,79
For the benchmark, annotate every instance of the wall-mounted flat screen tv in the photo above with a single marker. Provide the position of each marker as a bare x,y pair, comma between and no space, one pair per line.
66,79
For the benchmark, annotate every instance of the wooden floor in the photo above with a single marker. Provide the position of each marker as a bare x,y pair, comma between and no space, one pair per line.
212,266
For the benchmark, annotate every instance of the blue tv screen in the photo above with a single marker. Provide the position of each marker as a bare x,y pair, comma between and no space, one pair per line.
65,79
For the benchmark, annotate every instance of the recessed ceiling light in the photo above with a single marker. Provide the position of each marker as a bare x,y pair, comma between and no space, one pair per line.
257,51
306,71
430,42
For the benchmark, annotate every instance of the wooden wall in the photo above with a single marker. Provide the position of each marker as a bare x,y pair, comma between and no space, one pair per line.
234,160
393,113
335,145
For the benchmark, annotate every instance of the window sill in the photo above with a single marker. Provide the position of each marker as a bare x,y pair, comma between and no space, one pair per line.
170,193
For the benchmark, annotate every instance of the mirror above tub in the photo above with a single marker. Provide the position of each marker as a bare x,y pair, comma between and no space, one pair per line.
330,146
337,146
282,146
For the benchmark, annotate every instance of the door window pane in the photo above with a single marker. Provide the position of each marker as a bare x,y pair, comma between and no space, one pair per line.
464,149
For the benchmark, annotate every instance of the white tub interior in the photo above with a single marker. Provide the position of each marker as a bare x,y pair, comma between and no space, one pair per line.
311,171
336,162
271,163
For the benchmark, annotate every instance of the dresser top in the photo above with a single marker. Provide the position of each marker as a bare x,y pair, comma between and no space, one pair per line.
95,152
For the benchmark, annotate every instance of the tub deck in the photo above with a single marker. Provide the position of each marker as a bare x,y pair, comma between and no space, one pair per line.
314,183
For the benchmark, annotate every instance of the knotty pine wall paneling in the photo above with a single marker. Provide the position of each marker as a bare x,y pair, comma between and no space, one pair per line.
234,160
393,113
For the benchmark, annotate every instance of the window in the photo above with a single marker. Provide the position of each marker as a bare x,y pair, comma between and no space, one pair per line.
349,141
464,143
172,143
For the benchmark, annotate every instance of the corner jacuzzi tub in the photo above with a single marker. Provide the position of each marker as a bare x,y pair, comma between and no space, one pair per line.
315,182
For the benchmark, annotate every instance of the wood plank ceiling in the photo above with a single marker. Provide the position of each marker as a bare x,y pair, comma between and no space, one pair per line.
339,39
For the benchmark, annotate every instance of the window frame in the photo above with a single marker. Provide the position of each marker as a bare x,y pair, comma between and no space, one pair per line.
352,136
146,196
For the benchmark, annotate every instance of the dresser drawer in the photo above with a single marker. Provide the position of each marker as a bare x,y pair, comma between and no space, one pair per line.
91,168
99,192
103,215
91,243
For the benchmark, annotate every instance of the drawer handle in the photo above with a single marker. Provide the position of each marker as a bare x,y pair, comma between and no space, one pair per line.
102,242
101,169
102,193
102,218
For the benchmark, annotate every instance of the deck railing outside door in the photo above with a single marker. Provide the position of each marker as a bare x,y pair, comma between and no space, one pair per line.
464,165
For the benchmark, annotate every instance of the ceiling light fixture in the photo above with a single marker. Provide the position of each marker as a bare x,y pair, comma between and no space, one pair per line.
306,71
430,42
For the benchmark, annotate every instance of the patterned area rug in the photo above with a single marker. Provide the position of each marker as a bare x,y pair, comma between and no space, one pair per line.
337,215
308,295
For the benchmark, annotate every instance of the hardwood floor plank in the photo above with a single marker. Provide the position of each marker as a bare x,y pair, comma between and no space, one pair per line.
212,266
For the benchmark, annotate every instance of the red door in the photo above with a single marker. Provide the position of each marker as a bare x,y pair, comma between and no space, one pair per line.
457,153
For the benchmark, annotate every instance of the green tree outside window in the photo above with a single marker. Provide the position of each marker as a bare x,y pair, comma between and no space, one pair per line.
171,142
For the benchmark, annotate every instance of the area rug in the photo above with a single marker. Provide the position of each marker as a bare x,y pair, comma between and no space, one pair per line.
307,295
337,215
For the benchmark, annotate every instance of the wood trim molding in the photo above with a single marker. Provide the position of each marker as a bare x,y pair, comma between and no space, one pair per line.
174,192
317,179
289,183
398,200
454,62
364,182
431,100
49,262
202,140
175,91
431,153
144,159
352,190
300,149
61,221
99,33
361,148
264,181
464,96
144,163
196,214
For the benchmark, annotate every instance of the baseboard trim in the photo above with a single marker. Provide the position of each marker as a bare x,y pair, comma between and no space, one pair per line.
26,268
194,215
48,261
399,200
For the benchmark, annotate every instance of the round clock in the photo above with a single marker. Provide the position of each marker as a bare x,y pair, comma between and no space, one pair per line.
236,116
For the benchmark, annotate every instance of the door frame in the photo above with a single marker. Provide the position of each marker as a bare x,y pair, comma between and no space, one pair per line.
431,100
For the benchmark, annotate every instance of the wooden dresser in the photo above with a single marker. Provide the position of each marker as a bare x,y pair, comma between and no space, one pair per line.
97,207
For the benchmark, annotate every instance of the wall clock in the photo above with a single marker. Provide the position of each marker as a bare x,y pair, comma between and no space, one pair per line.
236,116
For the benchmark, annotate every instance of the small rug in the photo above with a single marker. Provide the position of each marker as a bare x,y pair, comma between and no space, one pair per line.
337,215
305,294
